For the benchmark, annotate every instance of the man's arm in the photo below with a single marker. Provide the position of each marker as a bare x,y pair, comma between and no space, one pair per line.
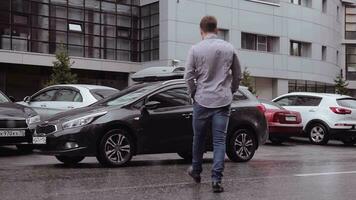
236,74
190,75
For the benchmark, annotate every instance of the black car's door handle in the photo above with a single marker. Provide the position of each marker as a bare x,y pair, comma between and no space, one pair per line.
233,110
188,115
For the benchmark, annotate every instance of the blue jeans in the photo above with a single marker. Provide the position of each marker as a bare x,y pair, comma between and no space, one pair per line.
217,119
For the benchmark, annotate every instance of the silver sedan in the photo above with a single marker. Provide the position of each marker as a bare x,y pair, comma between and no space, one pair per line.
59,98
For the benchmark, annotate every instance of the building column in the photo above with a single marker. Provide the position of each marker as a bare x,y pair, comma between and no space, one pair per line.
279,87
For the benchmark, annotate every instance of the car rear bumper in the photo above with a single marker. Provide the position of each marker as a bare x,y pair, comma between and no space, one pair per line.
342,133
285,130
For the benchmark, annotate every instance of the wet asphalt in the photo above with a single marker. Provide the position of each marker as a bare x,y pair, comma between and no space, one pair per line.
296,170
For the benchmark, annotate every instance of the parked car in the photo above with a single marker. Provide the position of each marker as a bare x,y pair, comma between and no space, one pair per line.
324,116
282,123
147,118
58,98
17,123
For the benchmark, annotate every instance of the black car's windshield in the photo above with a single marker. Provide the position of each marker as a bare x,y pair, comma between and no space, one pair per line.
102,93
3,98
127,95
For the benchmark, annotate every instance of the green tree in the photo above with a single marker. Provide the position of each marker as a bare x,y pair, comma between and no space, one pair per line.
247,81
341,85
61,72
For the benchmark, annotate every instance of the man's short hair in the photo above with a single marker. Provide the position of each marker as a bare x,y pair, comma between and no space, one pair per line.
208,24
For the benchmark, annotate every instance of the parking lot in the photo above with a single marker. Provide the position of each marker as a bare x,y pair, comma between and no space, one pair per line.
296,170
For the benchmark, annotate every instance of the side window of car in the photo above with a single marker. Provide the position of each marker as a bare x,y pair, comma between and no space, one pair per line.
286,101
172,98
45,96
307,101
68,95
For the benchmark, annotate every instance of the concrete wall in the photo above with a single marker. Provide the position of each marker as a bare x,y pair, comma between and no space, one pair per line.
180,29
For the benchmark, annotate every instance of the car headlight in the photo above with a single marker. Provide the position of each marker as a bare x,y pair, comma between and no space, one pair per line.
33,119
82,121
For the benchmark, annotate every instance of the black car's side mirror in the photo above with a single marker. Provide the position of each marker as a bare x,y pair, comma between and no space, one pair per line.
151,105
27,99
12,98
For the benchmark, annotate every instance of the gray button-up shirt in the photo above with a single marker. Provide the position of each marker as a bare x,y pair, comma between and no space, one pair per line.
213,72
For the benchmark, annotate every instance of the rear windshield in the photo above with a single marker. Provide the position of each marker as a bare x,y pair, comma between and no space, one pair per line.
102,93
271,105
348,103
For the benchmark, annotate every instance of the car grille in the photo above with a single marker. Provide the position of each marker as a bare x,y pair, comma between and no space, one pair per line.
45,129
13,124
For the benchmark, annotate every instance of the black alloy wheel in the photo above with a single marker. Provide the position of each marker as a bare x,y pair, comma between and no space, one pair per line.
241,146
115,148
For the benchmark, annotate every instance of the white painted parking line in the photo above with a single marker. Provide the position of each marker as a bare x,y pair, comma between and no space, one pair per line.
325,173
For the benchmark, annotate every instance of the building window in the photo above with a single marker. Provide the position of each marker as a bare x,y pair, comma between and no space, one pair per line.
350,23
110,29
295,48
223,34
298,48
324,6
298,2
309,86
351,62
323,53
150,32
306,3
259,42
75,27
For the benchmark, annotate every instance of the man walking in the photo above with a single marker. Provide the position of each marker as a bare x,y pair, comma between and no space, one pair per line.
213,75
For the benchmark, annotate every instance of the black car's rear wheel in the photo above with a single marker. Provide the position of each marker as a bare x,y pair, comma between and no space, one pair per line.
187,156
115,148
241,146
70,160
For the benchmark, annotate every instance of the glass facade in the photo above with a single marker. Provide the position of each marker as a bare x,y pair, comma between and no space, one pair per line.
106,29
309,86
350,22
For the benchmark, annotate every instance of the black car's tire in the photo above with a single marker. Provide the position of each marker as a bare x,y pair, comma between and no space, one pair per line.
70,160
318,134
115,148
349,141
25,148
276,140
241,146
187,156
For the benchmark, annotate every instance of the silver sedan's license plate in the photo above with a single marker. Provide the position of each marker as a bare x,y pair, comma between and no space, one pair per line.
12,133
39,140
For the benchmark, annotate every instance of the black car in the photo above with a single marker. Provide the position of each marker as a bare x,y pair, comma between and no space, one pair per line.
147,118
17,123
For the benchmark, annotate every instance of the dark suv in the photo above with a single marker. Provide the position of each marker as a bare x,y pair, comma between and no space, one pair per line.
147,118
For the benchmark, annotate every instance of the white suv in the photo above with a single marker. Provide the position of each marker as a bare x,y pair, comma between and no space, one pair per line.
324,116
